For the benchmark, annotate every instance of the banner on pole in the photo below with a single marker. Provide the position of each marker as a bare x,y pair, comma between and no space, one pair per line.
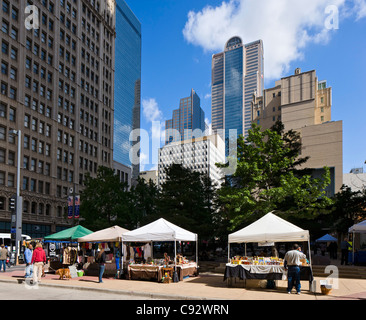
70,207
77,207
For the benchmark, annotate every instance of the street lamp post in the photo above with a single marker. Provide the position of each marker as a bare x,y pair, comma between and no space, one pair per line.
19,199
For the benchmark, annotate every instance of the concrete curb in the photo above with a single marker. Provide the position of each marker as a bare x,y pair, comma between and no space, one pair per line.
151,295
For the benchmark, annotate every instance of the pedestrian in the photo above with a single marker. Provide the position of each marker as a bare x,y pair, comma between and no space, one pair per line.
344,250
38,261
333,250
117,257
4,254
292,263
28,261
323,248
100,259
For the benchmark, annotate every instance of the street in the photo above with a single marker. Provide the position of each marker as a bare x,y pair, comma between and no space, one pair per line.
14,291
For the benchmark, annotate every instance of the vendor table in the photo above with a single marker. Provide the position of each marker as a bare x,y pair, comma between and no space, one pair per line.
268,272
150,272
185,270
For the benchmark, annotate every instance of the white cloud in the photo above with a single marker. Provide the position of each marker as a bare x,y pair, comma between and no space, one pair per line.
144,160
150,109
208,96
209,124
285,26
360,9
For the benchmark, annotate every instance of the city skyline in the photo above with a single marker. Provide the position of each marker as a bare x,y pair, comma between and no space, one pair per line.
237,73
303,42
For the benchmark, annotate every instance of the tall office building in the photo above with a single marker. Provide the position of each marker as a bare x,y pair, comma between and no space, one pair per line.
127,103
188,118
198,154
303,103
57,88
237,73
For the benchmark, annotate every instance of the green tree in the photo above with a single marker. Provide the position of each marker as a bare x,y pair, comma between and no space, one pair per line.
349,208
187,199
143,197
104,201
267,179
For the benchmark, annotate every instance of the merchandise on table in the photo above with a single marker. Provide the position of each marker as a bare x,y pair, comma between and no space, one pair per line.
266,261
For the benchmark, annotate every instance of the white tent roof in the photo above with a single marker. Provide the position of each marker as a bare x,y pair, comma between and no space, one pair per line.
360,227
113,234
159,230
269,228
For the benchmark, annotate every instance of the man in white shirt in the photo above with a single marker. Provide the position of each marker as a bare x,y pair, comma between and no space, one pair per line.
292,263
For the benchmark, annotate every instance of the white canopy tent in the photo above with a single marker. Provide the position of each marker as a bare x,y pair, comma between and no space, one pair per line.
112,234
357,228
161,230
270,228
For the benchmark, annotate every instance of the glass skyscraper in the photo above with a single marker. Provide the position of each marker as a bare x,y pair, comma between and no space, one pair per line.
127,102
236,74
186,120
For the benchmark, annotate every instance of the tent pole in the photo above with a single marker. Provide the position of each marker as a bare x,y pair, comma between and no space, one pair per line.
175,255
122,255
353,248
309,252
245,249
152,250
228,252
196,250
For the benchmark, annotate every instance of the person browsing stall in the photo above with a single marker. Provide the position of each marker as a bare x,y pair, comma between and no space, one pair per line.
38,261
28,259
292,263
4,254
101,259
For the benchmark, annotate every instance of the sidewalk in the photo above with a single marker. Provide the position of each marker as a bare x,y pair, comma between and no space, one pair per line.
206,286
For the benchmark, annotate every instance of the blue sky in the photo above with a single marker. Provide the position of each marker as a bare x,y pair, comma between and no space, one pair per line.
179,38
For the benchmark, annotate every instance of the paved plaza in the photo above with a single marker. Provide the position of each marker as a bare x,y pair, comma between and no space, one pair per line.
206,286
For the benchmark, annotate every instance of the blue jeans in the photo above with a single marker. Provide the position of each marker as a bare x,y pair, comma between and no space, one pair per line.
293,278
3,265
29,271
101,271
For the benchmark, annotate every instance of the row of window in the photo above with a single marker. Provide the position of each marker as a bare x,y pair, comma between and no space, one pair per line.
38,88
7,113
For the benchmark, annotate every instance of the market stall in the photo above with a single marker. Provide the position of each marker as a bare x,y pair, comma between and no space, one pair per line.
160,230
63,247
109,237
266,231
326,238
358,228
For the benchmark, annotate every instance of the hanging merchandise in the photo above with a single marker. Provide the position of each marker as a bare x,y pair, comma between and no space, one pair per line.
69,255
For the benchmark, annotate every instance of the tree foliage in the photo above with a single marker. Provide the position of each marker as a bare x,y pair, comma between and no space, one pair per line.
349,208
187,199
267,179
105,201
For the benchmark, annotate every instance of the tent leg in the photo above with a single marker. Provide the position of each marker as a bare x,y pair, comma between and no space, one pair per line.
122,257
245,245
152,251
175,255
228,252
309,252
353,249
197,251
